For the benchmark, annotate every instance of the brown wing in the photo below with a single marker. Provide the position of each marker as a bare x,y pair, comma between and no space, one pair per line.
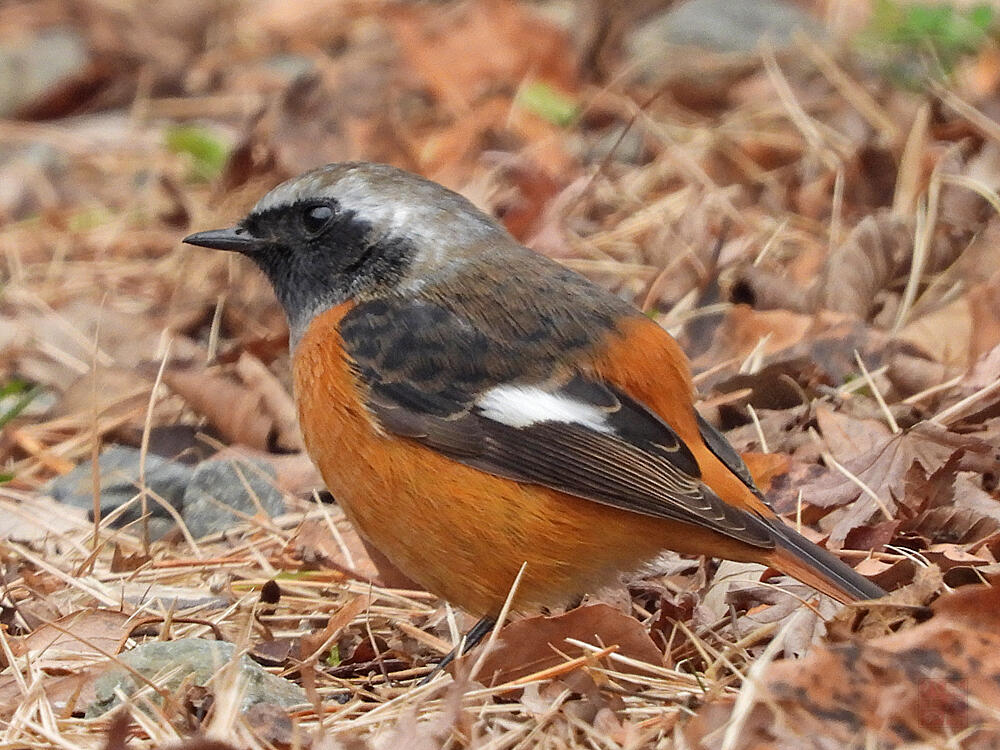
723,451
435,378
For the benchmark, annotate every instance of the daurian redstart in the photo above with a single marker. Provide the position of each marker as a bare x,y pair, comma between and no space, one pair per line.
474,406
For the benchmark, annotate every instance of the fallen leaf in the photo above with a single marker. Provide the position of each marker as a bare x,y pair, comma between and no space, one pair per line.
863,265
536,643
36,518
961,332
871,536
70,642
277,401
931,680
65,693
846,436
883,469
345,550
467,50
236,411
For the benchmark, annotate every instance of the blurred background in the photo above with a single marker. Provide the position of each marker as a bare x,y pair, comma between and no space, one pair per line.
785,155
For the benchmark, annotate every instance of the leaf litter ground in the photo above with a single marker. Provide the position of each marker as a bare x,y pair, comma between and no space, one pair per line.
823,241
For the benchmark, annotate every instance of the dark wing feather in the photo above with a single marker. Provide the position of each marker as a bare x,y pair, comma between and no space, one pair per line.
606,469
426,369
725,452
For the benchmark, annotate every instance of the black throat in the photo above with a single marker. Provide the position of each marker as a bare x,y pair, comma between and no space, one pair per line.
350,259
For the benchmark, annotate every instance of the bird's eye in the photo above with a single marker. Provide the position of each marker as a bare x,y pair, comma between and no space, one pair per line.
315,218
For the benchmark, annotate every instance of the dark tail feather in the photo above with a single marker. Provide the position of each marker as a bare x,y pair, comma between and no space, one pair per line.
796,556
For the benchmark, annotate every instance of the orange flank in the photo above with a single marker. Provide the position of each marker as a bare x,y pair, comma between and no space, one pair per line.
649,365
639,362
406,498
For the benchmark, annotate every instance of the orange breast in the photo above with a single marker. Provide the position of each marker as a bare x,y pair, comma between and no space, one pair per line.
458,531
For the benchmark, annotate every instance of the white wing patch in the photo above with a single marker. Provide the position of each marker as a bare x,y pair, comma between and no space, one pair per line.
524,405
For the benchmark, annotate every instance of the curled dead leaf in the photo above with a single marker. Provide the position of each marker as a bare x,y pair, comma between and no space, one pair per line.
236,411
87,635
537,643
275,399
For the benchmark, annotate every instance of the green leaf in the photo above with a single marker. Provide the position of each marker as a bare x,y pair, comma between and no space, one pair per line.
5,478
333,659
935,34
25,395
14,386
293,575
88,218
543,100
981,16
207,151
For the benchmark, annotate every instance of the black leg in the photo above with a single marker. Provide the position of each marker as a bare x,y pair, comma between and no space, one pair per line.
472,639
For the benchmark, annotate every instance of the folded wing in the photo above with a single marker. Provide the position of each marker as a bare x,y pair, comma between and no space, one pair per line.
440,381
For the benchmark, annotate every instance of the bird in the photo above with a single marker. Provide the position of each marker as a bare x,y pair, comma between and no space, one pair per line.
476,407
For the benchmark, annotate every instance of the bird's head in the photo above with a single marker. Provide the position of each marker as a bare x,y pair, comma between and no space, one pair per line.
355,230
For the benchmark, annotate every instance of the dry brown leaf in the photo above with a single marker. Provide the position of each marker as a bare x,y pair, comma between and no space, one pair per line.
854,277
871,536
850,279
863,265
782,384
315,646
959,526
271,723
38,518
930,681
347,551
468,50
535,184
71,641
948,556
233,409
846,436
905,606
275,399
826,341
112,392
66,693
883,469
316,21
961,332
910,374
984,373
743,329
537,643
764,289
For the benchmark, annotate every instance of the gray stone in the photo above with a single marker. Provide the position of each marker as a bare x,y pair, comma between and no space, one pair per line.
21,196
119,484
624,143
717,25
290,66
31,67
217,498
161,597
190,661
